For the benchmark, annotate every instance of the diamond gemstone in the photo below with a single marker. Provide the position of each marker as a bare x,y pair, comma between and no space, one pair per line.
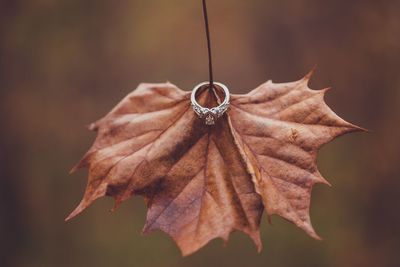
210,120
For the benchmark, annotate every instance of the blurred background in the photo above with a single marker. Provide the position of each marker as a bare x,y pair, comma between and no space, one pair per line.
64,64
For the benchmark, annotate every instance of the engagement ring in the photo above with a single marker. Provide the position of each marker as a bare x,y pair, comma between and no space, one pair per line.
210,115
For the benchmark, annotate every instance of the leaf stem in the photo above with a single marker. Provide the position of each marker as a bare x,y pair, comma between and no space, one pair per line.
207,27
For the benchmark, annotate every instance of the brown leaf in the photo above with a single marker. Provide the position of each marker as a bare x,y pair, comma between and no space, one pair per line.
203,182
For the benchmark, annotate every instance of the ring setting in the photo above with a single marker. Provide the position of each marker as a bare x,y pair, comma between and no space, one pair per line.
210,115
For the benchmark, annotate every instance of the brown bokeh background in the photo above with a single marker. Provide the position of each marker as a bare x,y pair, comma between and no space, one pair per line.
66,63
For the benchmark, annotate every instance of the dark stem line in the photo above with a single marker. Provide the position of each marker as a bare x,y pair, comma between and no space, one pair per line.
210,66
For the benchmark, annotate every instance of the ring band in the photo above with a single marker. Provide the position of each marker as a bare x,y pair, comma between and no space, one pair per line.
210,114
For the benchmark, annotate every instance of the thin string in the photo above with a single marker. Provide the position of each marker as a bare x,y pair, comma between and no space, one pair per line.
210,66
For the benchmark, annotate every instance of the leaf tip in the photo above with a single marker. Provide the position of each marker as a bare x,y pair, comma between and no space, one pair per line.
92,126
225,240
325,90
351,128
310,73
309,229
323,181
257,241
74,169
269,219
259,248
87,200
361,129
82,205
74,213
81,164
146,229
186,250
317,237
185,253
117,203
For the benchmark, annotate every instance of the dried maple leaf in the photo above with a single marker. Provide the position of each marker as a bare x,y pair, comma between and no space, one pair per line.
204,182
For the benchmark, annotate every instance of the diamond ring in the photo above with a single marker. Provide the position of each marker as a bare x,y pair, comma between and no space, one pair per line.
210,115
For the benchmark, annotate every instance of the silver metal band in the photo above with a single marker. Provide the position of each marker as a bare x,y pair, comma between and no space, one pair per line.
210,115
